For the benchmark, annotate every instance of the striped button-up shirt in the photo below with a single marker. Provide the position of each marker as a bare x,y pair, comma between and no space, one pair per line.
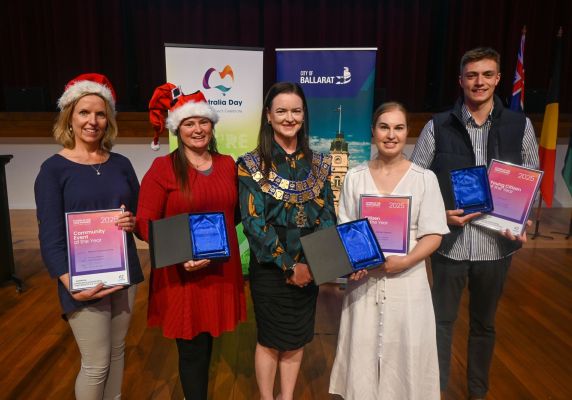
475,243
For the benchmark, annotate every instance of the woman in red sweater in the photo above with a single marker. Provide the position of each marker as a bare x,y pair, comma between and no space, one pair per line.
197,300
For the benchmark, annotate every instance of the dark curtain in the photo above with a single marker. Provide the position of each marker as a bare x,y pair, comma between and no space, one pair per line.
46,43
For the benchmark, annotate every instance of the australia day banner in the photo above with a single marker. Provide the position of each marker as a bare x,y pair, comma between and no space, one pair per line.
231,80
339,88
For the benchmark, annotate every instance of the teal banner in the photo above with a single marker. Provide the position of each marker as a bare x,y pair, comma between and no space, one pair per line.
339,85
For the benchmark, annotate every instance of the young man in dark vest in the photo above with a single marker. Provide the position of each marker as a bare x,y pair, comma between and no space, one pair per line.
477,129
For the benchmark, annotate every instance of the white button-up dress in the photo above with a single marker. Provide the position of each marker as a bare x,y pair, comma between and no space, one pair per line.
386,344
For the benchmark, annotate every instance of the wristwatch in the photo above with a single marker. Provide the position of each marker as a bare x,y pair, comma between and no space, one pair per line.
288,272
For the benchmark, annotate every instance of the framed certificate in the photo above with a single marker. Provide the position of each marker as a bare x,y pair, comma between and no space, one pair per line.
97,249
513,189
390,218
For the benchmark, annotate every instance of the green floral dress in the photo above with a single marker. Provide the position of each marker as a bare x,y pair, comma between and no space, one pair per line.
296,199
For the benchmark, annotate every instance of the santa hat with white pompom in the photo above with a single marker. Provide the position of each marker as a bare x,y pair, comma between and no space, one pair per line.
168,98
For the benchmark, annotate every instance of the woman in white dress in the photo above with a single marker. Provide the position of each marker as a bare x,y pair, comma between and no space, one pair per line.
386,344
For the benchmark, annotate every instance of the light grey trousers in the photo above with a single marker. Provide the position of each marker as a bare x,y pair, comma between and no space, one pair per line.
99,331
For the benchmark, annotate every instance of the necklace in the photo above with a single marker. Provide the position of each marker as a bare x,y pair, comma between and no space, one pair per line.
86,159
96,169
199,165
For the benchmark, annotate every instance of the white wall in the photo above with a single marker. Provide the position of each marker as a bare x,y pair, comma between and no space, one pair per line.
30,153
22,170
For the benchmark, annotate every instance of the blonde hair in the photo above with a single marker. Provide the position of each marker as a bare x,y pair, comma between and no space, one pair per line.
386,107
62,128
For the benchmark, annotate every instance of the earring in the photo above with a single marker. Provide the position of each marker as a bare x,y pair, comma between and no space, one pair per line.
70,129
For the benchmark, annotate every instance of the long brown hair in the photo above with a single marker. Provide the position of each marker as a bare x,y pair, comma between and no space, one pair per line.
266,133
181,164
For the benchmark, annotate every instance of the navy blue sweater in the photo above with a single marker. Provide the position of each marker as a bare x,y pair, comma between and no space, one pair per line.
64,186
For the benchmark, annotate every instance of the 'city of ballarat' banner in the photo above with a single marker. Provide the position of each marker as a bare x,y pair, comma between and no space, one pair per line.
337,83
231,80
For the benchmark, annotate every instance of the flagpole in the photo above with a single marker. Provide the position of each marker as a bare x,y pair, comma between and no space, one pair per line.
567,177
549,136
517,96
537,233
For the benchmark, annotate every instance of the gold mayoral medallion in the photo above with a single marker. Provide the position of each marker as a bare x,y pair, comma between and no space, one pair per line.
301,217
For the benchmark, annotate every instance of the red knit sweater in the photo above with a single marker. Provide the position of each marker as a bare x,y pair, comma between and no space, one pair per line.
212,299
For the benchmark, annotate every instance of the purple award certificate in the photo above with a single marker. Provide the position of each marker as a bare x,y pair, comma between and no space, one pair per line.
389,217
97,250
513,190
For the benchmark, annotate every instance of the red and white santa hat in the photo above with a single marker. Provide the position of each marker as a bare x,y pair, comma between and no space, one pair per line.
169,98
85,84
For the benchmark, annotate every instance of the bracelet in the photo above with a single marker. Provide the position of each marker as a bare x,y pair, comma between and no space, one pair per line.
290,271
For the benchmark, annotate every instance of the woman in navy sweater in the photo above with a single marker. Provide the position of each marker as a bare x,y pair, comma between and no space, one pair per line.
86,176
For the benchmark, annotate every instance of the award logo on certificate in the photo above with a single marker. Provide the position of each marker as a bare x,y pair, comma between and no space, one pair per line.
390,218
513,189
97,249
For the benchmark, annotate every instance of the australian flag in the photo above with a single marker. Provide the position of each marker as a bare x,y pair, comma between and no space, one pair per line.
517,100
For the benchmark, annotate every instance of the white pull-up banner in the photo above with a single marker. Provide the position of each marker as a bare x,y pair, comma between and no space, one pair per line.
231,80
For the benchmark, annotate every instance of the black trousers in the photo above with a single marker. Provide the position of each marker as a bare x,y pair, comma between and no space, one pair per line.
486,282
194,361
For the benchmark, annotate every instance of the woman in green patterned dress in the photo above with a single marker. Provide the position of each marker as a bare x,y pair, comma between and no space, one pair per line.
284,194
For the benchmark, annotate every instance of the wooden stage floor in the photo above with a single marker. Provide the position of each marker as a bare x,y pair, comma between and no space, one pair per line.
533,355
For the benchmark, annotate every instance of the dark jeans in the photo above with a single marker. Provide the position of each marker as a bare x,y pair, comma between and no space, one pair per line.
194,361
486,282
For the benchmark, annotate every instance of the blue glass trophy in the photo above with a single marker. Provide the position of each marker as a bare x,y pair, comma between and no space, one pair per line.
340,250
208,236
471,189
